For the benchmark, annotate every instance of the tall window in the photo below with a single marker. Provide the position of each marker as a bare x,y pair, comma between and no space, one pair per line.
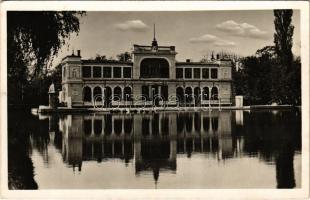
127,94
117,72
97,94
197,73
86,71
97,72
127,72
188,72
164,92
87,94
214,93
64,71
145,92
205,93
214,73
179,72
180,94
205,73
154,68
117,93
188,94
106,72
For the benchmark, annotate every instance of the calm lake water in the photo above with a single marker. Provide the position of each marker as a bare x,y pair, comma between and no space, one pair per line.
227,149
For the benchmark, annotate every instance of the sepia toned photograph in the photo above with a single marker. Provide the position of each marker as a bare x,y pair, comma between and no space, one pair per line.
155,99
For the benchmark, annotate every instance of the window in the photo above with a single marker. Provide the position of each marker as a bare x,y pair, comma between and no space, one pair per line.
106,72
205,73
74,73
214,93
197,73
214,73
87,94
86,72
117,72
64,72
97,94
127,94
127,72
117,93
188,94
145,92
205,93
188,72
179,72
97,72
164,92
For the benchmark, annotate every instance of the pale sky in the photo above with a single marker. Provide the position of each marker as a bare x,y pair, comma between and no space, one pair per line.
194,33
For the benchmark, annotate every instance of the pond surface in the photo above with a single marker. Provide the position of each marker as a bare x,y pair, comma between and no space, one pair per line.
227,149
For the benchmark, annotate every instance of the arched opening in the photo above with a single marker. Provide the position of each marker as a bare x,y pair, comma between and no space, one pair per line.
180,94
117,93
197,94
145,92
87,94
164,92
97,94
188,94
127,94
154,68
214,93
205,93
107,97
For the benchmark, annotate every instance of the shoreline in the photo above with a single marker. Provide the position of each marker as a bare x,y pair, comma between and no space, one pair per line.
46,109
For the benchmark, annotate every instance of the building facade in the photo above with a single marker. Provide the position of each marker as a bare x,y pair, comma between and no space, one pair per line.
153,78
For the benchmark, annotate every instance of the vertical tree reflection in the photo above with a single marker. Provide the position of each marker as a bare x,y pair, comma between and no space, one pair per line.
20,166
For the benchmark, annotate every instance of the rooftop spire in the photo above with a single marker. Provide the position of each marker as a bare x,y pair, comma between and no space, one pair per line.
154,42
154,32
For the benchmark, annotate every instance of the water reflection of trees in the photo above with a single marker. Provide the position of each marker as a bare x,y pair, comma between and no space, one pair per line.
275,137
159,137
20,166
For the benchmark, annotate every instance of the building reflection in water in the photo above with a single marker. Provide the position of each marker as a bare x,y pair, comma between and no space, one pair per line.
152,141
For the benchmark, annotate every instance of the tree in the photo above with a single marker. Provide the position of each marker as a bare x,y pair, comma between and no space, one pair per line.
100,58
283,37
33,39
288,69
124,57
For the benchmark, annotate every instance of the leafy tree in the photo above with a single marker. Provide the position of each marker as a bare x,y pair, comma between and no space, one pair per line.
283,37
33,39
124,57
289,69
273,74
254,79
100,58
